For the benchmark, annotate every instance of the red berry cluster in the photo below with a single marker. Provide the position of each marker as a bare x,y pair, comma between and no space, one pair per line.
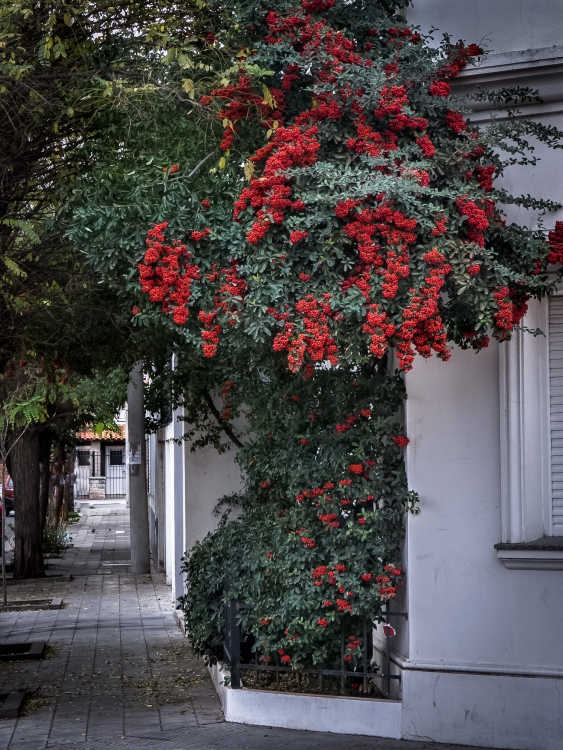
510,311
555,239
269,196
166,274
308,334
457,59
225,395
455,121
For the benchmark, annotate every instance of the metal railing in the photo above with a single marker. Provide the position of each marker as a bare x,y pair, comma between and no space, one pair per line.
232,651
98,475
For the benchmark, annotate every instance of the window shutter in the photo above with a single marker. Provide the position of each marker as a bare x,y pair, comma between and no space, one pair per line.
556,410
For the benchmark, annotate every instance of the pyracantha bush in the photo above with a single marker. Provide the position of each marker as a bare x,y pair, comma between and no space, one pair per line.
370,224
317,547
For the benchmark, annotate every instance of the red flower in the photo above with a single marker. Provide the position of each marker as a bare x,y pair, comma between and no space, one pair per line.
322,622
136,310
362,520
356,468
205,203
366,577
286,658
265,621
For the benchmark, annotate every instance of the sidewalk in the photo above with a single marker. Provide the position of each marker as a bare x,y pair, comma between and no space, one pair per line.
118,663
119,672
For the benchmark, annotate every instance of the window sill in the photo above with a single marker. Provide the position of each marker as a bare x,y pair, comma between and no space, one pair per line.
541,554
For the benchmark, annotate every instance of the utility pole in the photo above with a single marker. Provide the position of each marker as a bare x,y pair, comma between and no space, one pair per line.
137,474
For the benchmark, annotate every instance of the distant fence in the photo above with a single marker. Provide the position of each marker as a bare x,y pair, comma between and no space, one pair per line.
100,476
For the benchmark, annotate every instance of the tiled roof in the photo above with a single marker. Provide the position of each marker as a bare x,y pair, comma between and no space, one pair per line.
90,434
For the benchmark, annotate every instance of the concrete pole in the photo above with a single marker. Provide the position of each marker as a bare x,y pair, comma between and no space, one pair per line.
136,473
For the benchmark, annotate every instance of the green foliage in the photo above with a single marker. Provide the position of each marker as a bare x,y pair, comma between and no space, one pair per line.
322,512
56,541
298,446
73,517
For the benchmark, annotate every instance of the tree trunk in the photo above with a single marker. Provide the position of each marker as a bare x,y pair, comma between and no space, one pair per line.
45,442
69,482
57,483
28,556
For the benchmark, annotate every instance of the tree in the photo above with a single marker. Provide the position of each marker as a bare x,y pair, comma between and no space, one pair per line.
69,73
22,412
370,231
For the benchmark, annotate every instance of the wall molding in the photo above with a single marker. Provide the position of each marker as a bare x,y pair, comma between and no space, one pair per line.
540,69
524,431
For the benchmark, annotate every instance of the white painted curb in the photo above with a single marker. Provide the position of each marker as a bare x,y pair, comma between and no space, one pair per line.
315,713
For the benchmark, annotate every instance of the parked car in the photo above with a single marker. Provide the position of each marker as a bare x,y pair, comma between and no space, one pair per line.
8,494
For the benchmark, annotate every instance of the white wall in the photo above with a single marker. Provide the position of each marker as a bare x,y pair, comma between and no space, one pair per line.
501,25
209,475
467,612
174,503
465,607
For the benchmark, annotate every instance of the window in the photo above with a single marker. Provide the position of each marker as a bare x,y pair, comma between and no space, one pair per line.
556,411
83,458
116,458
531,420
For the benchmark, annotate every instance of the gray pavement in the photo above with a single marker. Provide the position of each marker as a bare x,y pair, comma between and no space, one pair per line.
119,672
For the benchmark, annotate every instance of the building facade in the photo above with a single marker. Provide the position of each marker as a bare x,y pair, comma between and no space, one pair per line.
481,655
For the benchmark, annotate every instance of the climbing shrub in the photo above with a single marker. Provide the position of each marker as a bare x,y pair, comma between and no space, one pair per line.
351,221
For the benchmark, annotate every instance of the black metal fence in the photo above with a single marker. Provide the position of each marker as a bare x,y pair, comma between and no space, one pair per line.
369,671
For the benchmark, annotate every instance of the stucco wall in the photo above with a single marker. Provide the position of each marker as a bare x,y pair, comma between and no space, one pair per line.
465,607
209,476
502,25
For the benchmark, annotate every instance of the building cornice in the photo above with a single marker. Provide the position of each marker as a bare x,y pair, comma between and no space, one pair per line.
538,69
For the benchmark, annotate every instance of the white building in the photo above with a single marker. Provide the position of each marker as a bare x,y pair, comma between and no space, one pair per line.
481,656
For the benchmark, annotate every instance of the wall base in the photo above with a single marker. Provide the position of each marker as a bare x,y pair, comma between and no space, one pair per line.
315,713
484,710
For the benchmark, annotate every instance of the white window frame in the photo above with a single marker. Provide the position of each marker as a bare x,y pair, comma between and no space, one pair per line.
525,444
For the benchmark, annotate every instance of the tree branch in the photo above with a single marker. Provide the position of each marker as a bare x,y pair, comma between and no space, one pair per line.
222,423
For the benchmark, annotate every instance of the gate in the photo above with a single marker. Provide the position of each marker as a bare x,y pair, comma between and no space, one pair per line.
100,476
84,469
115,472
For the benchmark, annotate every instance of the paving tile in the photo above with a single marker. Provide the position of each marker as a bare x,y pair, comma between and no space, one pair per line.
120,674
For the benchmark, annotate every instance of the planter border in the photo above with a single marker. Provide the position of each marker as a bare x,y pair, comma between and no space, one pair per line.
316,713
